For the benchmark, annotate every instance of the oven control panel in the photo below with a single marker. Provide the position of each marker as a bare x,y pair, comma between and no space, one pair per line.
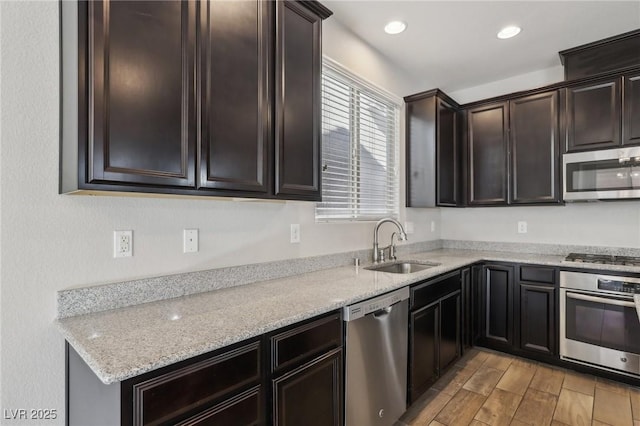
619,286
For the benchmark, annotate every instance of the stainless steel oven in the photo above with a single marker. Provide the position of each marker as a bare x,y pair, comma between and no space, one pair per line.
602,175
599,325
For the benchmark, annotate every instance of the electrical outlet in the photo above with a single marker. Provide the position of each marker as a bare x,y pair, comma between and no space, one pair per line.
190,243
408,227
522,227
433,226
295,233
122,243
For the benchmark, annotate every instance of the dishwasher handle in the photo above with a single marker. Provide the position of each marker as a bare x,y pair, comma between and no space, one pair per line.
383,312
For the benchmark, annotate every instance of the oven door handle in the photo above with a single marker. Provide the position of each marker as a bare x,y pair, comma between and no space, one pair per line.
604,300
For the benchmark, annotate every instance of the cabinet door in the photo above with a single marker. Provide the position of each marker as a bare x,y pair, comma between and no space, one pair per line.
498,289
632,110
235,63
447,155
537,318
593,115
298,100
449,345
310,395
423,349
142,123
487,140
421,152
534,149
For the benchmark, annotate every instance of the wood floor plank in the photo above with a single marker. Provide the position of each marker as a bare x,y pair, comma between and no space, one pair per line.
516,379
453,380
597,423
473,359
612,408
547,380
536,408
498,361
516,422
579,383
499,408
475,422
527,363
574,408
435,423
426,408
461,409
634,393
483,380
612,386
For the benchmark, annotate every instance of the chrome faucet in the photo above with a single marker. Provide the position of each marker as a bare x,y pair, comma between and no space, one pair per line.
402,236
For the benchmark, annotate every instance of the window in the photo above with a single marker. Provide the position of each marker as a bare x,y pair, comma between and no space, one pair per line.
359,149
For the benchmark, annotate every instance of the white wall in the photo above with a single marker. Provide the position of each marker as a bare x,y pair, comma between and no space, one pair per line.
517,83
613,224
52,241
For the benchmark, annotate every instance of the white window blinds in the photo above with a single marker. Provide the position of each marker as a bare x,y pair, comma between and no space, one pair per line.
359,149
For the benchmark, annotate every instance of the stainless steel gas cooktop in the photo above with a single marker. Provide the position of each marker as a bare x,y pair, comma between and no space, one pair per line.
604,259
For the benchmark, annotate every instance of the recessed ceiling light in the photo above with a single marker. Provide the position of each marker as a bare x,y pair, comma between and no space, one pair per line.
395,27
508,32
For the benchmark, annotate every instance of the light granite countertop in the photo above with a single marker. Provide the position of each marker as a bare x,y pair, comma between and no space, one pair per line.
123,343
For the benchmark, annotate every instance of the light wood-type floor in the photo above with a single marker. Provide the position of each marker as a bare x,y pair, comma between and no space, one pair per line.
490,388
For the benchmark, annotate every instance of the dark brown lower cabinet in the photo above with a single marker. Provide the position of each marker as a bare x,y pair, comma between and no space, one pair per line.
434,331
311,394
520,309
498,302
423,349
227,387
307,373
537,318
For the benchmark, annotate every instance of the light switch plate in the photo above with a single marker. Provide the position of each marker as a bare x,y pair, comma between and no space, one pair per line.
190,241
522,227
295,233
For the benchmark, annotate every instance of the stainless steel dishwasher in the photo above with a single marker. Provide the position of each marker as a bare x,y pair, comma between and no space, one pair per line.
376,359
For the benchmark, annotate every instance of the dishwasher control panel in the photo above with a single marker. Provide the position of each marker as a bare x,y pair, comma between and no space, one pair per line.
366,307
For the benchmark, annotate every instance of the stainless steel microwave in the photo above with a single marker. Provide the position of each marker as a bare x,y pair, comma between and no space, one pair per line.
612,174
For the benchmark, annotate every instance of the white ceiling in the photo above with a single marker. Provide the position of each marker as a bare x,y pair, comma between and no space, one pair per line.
453,45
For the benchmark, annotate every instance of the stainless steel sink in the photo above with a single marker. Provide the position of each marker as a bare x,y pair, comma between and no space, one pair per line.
407,267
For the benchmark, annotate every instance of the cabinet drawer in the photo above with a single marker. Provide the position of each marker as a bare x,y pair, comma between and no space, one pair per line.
305,342
538,274
164,397
429,291
241,410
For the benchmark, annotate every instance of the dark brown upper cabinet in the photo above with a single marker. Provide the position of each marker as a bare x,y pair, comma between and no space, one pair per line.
631,107
141,93
236,57
433,150
514,151
594,116
534,140
195,98
298,100
488,154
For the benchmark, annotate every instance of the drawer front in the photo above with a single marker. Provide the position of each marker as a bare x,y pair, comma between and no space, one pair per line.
306,342
241,410
162,398
538,274
432,290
